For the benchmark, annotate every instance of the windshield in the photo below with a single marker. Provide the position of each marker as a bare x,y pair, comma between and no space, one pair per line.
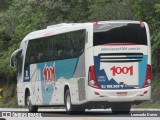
119,33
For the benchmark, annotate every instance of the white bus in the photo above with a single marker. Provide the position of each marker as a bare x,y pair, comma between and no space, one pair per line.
104,64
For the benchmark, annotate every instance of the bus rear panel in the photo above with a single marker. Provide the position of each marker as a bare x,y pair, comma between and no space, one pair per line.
121,70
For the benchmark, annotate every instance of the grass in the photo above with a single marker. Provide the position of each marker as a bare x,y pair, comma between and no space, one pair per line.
9,97
148,104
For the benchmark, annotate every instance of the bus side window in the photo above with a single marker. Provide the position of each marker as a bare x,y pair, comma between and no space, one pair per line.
40,57
72,52
32,60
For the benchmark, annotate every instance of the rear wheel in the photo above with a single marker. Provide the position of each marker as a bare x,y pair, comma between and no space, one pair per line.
71,109
121,108
31,108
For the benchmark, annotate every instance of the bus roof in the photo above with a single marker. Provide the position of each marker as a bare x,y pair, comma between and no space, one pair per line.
49,31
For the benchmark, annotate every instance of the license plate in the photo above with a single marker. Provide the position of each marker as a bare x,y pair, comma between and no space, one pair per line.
122,93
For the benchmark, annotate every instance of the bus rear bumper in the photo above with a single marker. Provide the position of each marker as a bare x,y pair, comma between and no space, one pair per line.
129,95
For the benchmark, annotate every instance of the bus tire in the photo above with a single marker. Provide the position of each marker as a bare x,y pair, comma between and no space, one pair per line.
31,108
68,105
121,108
72,109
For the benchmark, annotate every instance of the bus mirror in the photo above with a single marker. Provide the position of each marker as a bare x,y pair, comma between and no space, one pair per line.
12,64
13,57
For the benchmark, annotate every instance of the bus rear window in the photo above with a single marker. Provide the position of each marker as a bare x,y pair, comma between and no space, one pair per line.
119,33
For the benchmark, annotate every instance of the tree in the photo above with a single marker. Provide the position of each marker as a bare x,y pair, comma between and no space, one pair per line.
110,10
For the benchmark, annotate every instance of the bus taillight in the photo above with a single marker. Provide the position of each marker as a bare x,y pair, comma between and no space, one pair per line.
141,22
95,23
148,77
92,78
